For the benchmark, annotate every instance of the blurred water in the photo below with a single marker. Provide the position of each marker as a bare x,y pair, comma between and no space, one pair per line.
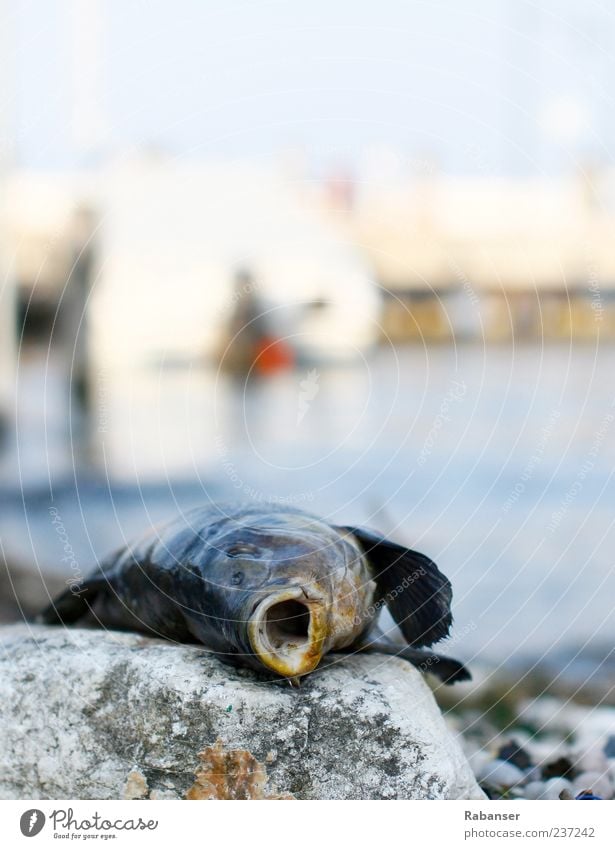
463,453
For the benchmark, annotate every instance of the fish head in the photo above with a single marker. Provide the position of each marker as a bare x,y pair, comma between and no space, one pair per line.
284,596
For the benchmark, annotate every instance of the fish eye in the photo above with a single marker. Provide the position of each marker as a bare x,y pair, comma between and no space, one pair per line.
242,548
236,578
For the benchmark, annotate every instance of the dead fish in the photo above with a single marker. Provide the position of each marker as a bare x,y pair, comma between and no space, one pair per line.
270,587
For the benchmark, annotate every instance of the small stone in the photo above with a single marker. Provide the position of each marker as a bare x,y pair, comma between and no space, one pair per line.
561,767
591,760
534,773
514,754
534,790
500,775
609,747
551,789
548,749
555,786
593,782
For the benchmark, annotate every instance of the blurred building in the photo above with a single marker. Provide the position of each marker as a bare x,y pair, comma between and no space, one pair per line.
455,258
493,258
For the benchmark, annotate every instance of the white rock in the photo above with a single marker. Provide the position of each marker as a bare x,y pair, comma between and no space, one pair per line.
554,786
533,774
552,715
519,735
500,775
597,782
548,749
546,789
92,715
591,760
534,790
595,726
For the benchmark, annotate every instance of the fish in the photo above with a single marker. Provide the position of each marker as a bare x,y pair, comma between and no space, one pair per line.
270,587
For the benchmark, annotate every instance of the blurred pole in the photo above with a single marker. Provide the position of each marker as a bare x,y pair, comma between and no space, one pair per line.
8,299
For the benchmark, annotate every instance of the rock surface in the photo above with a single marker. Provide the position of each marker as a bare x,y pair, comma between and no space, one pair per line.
93,714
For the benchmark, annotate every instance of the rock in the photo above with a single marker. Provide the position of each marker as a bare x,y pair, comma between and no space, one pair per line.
555,786
609,747
90,714
515,754
595,727
534,773
591,760
500,775
561,767
535,790
547,750
596,782
550,789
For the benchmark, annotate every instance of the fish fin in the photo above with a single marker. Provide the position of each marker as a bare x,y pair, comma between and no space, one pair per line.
445,669
73,604
417,594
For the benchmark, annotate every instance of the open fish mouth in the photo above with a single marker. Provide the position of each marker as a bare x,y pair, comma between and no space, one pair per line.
287,632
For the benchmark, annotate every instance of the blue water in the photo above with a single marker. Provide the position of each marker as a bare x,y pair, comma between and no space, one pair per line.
496,462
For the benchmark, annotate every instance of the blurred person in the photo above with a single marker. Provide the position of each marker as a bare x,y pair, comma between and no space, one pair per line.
74,310
7,360
250,344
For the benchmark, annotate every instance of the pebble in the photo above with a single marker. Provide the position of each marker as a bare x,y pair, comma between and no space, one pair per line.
534,790
597,782
562,767
547,749
561,748
500,774
533,774
514,754
554,786
609,747
591,760
550,789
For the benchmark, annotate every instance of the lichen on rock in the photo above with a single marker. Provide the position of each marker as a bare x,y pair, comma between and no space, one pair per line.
231,774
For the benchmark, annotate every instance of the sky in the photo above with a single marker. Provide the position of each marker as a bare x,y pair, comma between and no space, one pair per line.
477,86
